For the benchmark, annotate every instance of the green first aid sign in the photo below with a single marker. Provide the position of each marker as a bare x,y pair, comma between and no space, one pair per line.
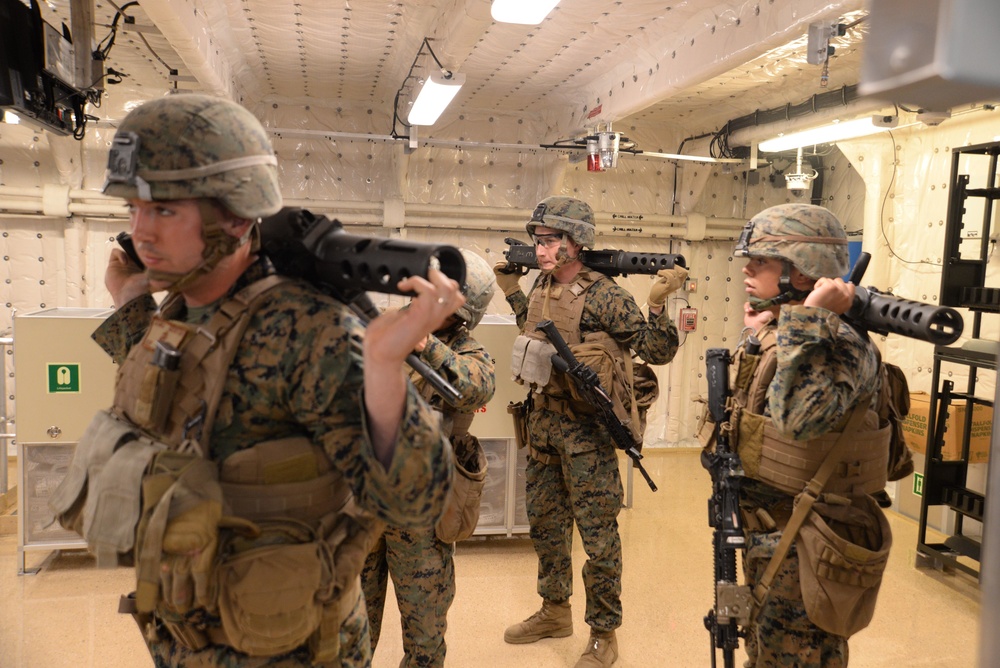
64,378
918,484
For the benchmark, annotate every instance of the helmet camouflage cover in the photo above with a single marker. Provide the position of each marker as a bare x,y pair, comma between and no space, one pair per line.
566,214
191,146
477,289
808,236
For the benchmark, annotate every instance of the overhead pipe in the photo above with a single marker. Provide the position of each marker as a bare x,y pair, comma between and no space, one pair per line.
59,201
692,227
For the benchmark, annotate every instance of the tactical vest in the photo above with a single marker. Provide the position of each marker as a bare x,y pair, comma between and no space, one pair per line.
284,539
789,464
563,304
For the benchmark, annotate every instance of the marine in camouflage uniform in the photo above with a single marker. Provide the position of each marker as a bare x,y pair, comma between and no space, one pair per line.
572,472
298,369
824,368
420,563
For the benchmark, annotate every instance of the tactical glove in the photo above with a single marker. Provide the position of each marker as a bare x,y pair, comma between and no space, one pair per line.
667,281
508,277
189,547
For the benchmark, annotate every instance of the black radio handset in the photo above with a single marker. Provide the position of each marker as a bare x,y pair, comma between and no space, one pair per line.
124,240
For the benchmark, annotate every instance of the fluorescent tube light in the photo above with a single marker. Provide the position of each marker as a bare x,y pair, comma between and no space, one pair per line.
433,97
831,132
526,12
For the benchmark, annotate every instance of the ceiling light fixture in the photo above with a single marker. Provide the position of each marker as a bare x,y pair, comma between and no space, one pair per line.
525,12
832,132
434,92
434,96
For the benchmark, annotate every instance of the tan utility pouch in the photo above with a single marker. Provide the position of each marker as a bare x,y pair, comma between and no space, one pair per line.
298,578
531,361
271,588
102,437
843,551
632,387
461,508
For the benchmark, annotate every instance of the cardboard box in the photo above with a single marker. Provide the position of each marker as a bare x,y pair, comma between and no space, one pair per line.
915,428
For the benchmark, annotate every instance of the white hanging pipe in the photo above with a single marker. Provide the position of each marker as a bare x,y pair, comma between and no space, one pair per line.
13,191
21,205
74,193
59,201
692,227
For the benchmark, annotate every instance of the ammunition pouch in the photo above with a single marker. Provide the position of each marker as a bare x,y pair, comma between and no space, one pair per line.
704,431
843,550
749,430
461,507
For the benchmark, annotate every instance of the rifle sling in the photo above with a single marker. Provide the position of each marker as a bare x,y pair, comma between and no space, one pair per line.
803,505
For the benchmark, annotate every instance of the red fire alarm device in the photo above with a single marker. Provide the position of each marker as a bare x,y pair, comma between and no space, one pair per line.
688,319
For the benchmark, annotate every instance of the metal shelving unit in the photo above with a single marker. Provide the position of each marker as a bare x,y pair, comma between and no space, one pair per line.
963,285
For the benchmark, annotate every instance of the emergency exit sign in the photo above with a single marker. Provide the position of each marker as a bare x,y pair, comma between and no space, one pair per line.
918,484
64,378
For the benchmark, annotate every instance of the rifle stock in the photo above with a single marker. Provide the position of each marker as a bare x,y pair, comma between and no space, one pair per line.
609,262
587,381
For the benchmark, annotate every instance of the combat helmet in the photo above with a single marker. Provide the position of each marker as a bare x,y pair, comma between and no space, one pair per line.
567,214
193,146
808,236
477,289
199,147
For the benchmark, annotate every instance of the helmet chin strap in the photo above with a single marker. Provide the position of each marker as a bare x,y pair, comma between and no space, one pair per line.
562,259
787,293
218,244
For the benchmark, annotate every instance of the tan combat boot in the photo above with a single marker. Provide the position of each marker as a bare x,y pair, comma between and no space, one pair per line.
552,621
602,650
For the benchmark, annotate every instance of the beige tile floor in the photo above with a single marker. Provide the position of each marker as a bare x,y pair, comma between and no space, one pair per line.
65,615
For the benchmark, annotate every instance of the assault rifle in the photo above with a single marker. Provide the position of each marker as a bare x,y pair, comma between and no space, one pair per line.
316,249
589,384
885,314
731,613
521,257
